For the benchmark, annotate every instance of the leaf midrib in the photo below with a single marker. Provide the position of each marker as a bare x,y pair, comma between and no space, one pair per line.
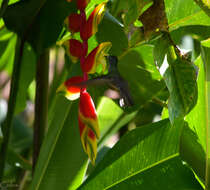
142,170
173,24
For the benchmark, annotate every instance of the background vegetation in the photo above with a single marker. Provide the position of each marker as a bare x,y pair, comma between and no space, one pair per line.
163,47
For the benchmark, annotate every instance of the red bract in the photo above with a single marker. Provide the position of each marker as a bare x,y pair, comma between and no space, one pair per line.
74,22
86,106
96,57
69,89
91,26
87,116
75,48
81,4
88,125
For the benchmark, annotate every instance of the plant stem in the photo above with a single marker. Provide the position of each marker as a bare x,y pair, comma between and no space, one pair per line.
159,102
7,125
4,6
41,103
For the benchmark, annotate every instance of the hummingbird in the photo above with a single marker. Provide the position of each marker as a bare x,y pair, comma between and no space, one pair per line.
114,80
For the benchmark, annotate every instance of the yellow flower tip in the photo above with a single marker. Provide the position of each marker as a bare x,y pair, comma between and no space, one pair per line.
99,13
88,140
62,89
91,26
96,57
91,146
69,90
102,52
91,123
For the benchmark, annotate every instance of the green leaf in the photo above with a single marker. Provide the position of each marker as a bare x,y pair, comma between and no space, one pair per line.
197,32
27,75
20,15
206,60
170,174
111,30
40,21
16,160
62,161
181,79
130,10
206,43
7,49
192,152
49,23
197,117
108,112
138,155
21,136
160,49
183,13
111,117
205,5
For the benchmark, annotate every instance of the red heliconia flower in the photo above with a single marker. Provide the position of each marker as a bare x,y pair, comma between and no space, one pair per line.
69,89
75,48
82,4
88,125
91,26
96,57
74,22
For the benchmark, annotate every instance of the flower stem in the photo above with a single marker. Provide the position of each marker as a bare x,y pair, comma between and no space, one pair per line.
41,103
7,125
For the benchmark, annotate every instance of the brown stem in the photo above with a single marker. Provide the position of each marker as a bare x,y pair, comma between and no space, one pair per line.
41,104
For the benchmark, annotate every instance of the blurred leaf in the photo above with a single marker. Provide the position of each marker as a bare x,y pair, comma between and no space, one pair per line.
108,113
49,23
139,154
62,161
181,79
183,13
128,10
197,32
21,136
147,113
40,21
206,43
111,118
7,49
20,15
5,34
27,75
111,30
17,160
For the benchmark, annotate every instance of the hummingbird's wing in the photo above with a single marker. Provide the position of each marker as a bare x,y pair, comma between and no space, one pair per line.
98,81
